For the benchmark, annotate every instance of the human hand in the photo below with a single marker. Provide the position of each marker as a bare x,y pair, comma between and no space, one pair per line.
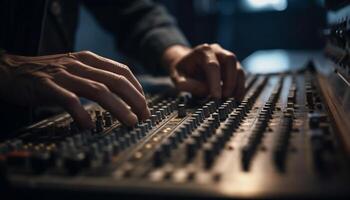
206,70
61,79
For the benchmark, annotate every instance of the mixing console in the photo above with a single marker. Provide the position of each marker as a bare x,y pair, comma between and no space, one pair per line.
279,141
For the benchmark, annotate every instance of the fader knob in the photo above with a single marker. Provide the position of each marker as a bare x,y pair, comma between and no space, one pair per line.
198,138
222,113
166,148
133,136
163,113
159,115
309,98
208,154
203,132
173,141
108,119
191,148
206,111
149,123
154,120
99,124
158,158
139,133
181,110
216,119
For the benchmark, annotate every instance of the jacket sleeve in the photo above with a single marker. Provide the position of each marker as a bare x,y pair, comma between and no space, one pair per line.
143,28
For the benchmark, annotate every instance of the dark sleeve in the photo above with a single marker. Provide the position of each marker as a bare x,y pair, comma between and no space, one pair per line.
143,28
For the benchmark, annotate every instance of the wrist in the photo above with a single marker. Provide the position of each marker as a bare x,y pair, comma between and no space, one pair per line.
173,54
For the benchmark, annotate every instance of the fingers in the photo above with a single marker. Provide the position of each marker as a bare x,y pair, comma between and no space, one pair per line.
97,92
228,64
48,91
193,86
116,83
232,73
220,68
206,58
239,91
102,63
90,59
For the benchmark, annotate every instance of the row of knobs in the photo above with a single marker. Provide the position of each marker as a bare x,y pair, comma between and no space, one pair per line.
198,132
281,145
249,148
84,149
313,100
322,145
207,130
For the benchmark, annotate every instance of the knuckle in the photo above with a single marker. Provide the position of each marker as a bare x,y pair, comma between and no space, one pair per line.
120,78
203,47
216,45
61,71
99,88
202,54
231,56
86,53
124,68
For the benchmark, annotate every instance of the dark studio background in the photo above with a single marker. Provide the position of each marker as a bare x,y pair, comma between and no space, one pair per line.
242,26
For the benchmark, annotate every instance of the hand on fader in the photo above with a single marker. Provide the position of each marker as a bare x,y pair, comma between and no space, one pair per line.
61,79
206,70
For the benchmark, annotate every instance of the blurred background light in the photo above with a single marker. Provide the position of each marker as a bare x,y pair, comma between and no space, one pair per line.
259,5
271,62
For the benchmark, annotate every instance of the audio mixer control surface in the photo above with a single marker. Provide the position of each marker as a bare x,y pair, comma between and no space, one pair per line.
279,141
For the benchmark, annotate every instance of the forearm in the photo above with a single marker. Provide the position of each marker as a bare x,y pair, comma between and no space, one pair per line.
144,29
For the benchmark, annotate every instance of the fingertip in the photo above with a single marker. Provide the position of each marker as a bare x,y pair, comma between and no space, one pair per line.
130,119
216,94
226,93
146,114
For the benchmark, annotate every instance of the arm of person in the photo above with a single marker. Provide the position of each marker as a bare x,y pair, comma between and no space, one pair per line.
143,29
146,30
